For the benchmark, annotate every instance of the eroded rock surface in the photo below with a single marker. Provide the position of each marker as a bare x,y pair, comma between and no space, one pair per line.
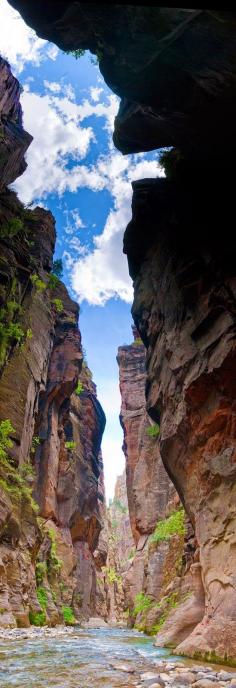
189,332
158,579
174,68
14,140
52,493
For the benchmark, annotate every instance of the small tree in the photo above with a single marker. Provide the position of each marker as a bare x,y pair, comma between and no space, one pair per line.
57,268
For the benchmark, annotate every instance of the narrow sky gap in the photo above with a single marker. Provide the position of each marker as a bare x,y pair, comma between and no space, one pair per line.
75,171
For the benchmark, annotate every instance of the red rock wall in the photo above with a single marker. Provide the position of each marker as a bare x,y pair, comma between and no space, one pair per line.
189,332
148,486
52,506
160,571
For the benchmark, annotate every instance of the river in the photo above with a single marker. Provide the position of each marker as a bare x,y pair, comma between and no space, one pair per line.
82,659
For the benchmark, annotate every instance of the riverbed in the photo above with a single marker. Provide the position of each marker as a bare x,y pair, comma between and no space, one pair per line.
77,658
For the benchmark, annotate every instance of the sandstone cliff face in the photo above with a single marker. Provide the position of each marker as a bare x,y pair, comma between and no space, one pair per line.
189,332
159,577
175,72
14,141
148,486
51,424
120,550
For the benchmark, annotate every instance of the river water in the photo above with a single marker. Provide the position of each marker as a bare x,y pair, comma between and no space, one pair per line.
82,659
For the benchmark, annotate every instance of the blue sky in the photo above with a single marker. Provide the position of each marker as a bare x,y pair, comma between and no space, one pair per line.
75,171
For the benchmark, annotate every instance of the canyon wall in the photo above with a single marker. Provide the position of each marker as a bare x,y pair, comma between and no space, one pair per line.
52,506
162,572
174,70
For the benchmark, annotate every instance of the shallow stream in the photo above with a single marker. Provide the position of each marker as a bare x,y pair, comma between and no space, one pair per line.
82,659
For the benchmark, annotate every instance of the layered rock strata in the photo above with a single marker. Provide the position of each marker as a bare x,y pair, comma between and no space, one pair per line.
51,423
14,141
158,577
120,551
189,332
174,69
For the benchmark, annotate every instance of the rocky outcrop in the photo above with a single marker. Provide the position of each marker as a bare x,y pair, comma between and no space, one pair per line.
51,472
158,579
189,332
120,551
174,68
14,141
148,486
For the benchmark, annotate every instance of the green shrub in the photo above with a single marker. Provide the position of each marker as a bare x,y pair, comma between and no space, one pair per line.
42,597
153,430
54,564
53,281
12,228
68,616
70,445
173,525
35,444
142,603
137,342
38,283
79,52
37,618
6,429
111,575
79,388
40,571
27,470
170,603
58,305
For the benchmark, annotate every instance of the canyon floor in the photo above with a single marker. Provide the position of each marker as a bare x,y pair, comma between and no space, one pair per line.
110,657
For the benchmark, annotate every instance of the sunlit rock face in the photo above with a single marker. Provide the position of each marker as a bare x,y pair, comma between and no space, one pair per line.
14,140
184,308
160,572
52,507
148,486
175,72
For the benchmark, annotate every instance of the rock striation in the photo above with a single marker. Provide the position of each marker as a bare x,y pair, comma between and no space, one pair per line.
52,493
14,141
174,69
160,578
120,551
189,332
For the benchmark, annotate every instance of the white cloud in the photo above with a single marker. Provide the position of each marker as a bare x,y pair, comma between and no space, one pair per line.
80,111
103,273
58,137
73,221
19,44
95,93
55,141
52,86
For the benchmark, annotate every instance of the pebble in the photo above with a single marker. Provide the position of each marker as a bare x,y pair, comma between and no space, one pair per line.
186,677
205,683
123,667
149,675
